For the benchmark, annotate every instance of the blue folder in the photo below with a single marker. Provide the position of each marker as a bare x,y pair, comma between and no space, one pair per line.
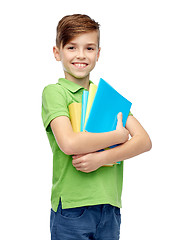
105,108
84,107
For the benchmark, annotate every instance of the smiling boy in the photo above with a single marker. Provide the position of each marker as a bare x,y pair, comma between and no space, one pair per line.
79,57
86,196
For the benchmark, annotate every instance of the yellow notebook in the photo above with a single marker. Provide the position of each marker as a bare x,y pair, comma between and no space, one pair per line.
75,116
91,95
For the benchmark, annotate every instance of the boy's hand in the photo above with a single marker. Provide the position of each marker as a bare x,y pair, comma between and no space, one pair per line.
87,162
92,161
123,131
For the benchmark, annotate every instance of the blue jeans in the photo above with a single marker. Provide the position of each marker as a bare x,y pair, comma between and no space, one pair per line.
99,222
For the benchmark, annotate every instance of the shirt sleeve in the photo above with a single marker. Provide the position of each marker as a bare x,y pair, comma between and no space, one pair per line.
54,104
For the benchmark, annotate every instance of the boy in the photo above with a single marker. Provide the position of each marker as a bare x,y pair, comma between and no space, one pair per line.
86,196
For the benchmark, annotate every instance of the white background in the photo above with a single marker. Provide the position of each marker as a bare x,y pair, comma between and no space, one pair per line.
136,58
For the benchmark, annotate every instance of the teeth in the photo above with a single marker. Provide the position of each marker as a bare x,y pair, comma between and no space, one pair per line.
80,65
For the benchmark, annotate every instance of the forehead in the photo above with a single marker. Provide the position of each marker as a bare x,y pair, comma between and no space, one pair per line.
86,38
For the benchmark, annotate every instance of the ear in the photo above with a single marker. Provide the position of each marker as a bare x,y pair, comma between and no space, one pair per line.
98,54
56,53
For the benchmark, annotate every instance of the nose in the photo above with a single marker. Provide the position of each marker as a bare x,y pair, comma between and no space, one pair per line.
80,54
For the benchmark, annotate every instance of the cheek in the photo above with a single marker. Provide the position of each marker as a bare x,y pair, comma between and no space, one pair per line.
65,56
65,60
94,59
64,64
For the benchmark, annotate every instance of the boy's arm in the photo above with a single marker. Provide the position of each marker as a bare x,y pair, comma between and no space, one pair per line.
72,143
139,143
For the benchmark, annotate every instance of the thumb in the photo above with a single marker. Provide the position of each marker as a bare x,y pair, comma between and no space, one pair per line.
120,120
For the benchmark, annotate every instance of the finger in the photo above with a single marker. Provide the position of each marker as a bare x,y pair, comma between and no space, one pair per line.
77,165
120,116
77,156
120,119
76,162
82,169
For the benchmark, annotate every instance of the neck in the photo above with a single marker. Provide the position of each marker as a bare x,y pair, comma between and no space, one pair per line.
84,82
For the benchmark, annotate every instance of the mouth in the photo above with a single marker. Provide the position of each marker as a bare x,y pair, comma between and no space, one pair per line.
80,65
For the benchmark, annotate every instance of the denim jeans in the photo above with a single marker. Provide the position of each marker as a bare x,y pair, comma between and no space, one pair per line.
99,222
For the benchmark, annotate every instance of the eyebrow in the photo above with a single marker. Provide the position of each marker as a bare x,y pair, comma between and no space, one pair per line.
88,44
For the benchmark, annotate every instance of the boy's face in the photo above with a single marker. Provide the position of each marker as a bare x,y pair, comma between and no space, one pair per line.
79,56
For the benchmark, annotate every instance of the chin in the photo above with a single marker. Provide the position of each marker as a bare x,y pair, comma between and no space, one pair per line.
80,76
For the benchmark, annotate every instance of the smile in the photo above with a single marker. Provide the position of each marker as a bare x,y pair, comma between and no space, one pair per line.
80,65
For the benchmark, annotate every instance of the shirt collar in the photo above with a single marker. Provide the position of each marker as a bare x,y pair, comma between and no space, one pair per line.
71,86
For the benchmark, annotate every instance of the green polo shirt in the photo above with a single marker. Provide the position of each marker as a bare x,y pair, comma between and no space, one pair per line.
75,188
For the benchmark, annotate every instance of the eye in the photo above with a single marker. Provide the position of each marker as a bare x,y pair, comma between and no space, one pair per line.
90,48
71,48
